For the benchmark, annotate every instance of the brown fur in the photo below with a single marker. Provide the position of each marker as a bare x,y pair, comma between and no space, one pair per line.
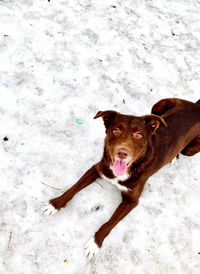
151,141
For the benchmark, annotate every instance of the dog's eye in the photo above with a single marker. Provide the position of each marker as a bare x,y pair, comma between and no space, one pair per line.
116,131
137,135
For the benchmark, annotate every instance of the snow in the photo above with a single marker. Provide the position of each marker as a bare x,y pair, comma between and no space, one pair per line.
66,60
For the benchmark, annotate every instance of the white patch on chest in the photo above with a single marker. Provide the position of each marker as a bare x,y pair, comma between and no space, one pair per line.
115,181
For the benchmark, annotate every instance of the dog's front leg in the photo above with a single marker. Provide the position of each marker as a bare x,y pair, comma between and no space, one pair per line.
96,242
57,203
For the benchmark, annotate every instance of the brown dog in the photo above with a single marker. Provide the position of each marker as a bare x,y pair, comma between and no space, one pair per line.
135,148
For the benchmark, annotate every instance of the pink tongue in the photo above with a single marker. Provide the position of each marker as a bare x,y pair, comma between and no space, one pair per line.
119,167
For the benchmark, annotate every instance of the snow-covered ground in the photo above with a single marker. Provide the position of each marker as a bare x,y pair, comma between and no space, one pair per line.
65,60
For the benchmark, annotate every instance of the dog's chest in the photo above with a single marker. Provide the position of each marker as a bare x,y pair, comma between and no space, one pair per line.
115,181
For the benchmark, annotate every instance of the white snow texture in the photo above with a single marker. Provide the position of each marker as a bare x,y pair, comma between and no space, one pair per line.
65,60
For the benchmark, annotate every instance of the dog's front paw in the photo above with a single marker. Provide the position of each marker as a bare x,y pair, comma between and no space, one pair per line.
91,248
49,209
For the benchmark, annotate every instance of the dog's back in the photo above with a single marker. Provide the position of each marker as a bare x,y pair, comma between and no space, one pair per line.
183,127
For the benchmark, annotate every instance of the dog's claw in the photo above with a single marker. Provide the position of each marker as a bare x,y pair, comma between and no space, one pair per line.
91,249
49,209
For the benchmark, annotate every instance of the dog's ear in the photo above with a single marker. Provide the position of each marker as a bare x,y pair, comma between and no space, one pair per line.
154,121
107,116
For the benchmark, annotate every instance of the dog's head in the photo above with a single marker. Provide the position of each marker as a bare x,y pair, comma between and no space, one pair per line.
127,137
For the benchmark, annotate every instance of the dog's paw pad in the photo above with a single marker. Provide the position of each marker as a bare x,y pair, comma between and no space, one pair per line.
49,209
91,248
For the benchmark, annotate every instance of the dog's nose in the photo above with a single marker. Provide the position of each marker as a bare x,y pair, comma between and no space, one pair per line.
122,153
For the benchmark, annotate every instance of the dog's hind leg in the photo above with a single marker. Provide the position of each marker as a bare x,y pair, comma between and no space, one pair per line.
163,106
192,148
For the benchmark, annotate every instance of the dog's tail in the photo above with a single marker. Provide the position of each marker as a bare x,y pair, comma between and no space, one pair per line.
198,102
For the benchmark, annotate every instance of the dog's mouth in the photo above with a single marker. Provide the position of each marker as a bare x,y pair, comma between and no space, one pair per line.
120,167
